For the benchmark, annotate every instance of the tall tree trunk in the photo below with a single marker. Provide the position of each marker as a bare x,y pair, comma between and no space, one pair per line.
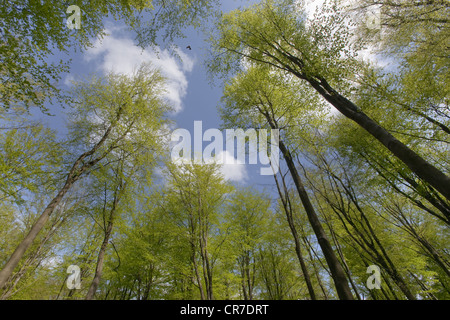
194,260
337,273
288,211
78,168
18,253
207,270
345,265
100,261
199,280
246,275
244,290
37,255
368,237
426,171
316,270
250,276
203,240
118,192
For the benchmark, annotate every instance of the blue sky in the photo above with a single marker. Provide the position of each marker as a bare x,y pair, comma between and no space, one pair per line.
189,89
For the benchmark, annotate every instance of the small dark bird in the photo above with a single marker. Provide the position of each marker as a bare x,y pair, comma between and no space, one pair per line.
189,47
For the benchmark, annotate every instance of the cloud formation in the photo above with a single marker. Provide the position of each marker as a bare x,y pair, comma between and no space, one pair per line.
122,56
232,172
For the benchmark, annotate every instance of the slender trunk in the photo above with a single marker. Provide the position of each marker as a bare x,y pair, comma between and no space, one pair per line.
242,264
244,290
206,269
311,258
316,270
131,290
337,273
305,272
388,283
15,258
35,255
209,290
433,254
203,239
288,211
118,192
147,289
362,228
423,286
197,275
247,276
194,260
426,171
250,278
227,290
74,174
396,275
341,255
199,282
100,262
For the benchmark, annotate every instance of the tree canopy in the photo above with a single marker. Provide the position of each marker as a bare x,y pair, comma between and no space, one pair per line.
98,209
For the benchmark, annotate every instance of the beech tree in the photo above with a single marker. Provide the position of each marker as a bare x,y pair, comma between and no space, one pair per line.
247,221
105,196
285,199
318,52
111,114
260,98
110,209
196,196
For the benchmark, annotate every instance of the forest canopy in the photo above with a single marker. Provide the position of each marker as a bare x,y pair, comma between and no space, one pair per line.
359,208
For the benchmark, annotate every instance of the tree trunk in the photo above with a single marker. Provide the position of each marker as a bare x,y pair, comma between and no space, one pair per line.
316,271
207,270
203,241
73,175
36,255
288,211
15,258
199,280
344,263
100,262
246,275
118,192
194,260
337,273
250,276
426,171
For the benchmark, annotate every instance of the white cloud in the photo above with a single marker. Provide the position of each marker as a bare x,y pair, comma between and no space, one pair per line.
122,56
68,80
232,169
